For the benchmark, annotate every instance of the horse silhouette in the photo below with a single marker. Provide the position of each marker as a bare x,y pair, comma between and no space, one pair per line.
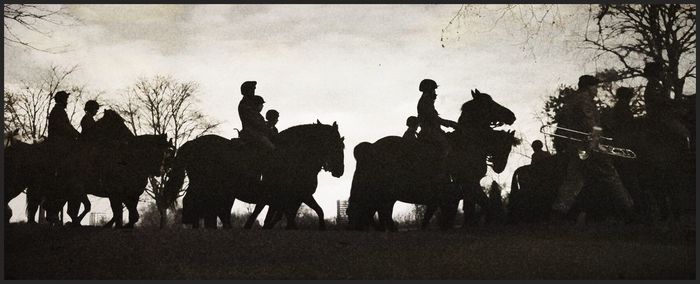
25,168
220,171
394,169
113,163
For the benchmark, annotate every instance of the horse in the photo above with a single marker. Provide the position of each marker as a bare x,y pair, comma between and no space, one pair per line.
119,165
394,169
24,165
220,170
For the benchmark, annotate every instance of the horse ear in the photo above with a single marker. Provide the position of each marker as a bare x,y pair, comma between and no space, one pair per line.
477,91
342,139
473,94
318,121
170,141
335,124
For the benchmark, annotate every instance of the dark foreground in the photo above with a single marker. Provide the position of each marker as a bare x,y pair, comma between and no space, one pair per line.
504,252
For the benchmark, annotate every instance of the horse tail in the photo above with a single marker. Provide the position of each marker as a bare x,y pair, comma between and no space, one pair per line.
176,175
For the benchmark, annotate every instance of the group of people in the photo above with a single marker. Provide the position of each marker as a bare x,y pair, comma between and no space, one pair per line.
254,126
579,112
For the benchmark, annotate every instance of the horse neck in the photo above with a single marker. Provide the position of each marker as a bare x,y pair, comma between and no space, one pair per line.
302,149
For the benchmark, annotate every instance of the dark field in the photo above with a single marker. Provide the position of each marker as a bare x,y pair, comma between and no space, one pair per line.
502,252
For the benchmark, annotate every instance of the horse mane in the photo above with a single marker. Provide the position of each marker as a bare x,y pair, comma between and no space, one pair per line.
303,130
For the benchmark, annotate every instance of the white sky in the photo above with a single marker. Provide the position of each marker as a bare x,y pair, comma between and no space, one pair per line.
359,65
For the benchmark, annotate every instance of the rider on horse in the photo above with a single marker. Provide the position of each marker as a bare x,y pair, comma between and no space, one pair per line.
88,122
429,119
254,127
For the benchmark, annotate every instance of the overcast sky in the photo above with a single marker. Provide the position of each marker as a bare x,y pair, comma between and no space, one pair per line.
359,65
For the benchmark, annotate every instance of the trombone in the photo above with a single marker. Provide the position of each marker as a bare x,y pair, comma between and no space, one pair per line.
570,134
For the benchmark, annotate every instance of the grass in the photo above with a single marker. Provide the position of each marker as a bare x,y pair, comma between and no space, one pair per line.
536,251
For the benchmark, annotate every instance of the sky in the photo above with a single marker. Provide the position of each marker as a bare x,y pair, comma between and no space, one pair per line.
357,65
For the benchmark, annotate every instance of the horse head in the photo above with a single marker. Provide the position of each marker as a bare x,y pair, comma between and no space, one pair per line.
111,127
333,156
500,147
483,110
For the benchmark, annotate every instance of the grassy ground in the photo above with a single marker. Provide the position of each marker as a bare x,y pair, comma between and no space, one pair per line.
501,252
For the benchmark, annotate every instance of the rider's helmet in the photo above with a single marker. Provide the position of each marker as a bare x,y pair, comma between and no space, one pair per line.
61,96
91,105
248,88
537,144
427,85
272,114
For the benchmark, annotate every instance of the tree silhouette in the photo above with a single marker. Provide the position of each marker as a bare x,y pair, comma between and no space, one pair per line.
27,106
622,36
164,105
21,20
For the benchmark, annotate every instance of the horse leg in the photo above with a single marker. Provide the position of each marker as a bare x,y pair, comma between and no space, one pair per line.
73,209
448,212
311,202
117,212
225,214
429,212
290,211
133,213
33,203
253,216
385,217
86,203
469,205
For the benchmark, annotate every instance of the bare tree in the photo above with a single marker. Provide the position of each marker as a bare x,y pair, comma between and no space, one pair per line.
622,37
164,105
633,34
27,106
33,19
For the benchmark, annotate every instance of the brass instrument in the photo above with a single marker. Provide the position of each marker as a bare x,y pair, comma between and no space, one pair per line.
570,134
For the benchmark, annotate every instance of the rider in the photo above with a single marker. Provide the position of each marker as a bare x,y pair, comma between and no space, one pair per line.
429,119
60,128
580,113
658,102
254,127
88,121
538,155
412,131
272,117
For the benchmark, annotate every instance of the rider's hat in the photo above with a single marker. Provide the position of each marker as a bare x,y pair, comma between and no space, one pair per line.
247,87
92,104
427,85
61,95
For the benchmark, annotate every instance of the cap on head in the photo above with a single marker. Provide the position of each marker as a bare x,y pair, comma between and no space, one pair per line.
537,144
91,105
427,85
272,114
248,88
624,93
412,121
587,81
61,95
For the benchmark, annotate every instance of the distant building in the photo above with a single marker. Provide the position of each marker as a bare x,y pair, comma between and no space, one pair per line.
342,216
97,219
